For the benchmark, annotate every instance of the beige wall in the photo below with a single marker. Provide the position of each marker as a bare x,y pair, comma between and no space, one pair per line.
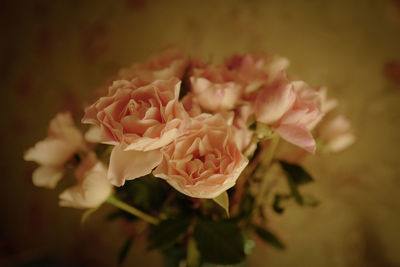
54,53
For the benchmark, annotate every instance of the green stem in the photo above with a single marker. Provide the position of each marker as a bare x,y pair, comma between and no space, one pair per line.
132,210
269,154
265,165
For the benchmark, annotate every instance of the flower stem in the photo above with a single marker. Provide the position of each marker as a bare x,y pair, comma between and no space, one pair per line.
132,210
265,166
269,154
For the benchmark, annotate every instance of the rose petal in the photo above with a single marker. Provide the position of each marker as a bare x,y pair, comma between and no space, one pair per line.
148,144
274,102
92,192
50,152
128,165
203,162
47,177
95,134
298,136
341,142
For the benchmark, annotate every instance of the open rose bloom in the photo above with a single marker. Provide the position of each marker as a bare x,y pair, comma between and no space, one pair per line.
204,161
200,130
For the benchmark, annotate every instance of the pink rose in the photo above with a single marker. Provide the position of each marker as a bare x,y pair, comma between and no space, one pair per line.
139,118
254,72
327,104
170,62
139,115
293,109
93,187
62,142
203,162
242,135
191,105
335,132
273,102
215,88
296,124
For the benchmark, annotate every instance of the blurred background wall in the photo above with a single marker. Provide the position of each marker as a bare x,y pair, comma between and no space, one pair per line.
53,54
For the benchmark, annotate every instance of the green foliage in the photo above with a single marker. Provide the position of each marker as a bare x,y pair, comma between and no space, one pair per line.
219,242
296,173
269,237
296,176
277,202
223,201
167,232
146,193
252,126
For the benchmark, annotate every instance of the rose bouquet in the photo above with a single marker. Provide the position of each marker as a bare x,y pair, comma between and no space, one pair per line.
190,148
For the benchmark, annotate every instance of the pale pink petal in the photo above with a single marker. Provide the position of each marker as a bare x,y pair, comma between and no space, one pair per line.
242,135
191,104
333,127
91,192
214,88
327,104
86,164
275,66
298,136
62,127
203,162
138,115
341,142
95,134
128,165
147,144
48,177
254,72
274,102
61,122
336,133
208,95
50,152
63,140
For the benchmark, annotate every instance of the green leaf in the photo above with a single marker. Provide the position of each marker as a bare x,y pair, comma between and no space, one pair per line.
294,190
252,126
219,242
251,122
297,173
269,237
277,203
124,250
167,232
223,201
146,193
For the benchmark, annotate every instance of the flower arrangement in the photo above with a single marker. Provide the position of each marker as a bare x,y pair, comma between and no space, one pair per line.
205,141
